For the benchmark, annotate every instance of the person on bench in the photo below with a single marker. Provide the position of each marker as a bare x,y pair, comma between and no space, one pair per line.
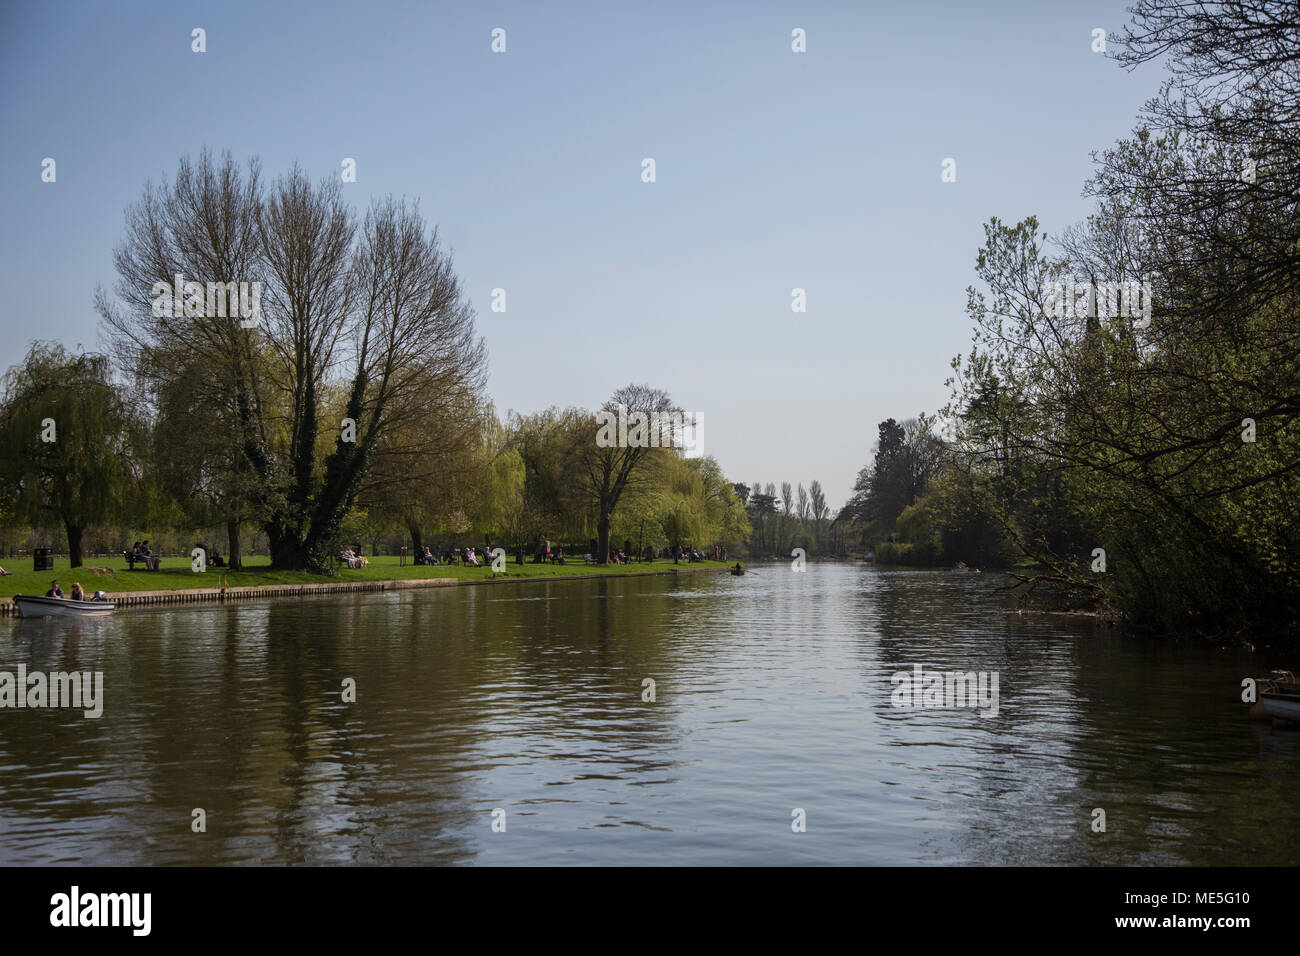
151,561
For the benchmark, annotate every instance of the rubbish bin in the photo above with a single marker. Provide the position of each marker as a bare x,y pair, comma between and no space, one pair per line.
42,559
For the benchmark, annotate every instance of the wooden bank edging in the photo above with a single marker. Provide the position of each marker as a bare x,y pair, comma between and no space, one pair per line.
264,592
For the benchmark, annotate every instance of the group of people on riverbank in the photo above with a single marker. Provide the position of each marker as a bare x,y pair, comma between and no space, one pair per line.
470,557
548,554
543,553
690,554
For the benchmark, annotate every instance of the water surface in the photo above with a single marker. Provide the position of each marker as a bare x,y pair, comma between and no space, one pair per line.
772,693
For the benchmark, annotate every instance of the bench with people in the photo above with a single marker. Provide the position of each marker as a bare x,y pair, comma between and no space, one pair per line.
140,554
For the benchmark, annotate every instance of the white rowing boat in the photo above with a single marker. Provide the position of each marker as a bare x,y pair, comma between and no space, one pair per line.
30,605
1279,697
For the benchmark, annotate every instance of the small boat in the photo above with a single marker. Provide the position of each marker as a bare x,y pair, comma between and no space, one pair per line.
1279,696
737,570
30,605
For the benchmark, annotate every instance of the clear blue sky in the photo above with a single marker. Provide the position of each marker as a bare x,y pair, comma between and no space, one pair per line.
775,170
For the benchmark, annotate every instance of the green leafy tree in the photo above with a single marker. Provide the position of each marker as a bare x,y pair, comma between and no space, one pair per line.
65,442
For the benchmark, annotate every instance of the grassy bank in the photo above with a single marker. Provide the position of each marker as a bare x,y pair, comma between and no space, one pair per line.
175,574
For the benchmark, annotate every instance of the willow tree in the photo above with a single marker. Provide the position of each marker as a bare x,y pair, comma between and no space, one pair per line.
426,470
553,505
359,322
64,442
699,506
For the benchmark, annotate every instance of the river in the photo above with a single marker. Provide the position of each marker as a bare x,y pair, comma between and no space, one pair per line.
772,712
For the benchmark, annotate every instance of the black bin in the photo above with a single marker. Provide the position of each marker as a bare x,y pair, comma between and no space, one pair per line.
42,559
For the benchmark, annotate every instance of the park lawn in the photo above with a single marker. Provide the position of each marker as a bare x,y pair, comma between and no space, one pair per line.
176,574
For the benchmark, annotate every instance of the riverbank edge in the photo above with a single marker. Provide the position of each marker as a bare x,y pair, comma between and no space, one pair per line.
261,592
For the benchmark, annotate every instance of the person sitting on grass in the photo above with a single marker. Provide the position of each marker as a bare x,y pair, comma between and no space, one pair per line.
55,591
4,573
78,593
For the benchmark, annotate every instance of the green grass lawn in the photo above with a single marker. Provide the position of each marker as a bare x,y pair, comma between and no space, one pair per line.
175,574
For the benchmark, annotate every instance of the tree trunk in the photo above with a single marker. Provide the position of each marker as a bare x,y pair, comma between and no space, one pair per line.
602,539
74,543
417,540
288,554
233,561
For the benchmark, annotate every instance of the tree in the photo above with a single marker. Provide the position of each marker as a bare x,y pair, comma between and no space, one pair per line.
500,482
431,464
359,325
551,503
194,456
64,442
701,507
606,470
761,506
819,512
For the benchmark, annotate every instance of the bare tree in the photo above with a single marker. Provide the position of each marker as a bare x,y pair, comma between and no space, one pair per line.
606,473
360,330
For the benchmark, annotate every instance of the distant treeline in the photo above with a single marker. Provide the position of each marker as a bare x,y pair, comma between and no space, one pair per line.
802,519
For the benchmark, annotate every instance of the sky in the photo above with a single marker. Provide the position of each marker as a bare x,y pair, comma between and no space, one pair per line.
774,171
